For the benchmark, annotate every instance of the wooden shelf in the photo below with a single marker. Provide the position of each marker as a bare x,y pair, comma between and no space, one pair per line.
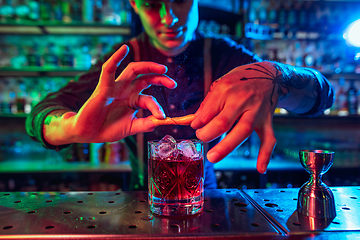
40,28
40,72
43,166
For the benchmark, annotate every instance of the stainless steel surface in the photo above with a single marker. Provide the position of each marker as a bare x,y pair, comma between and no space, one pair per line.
280,206
315,198
126,215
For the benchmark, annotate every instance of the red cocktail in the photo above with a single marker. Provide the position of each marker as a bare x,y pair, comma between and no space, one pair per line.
176,177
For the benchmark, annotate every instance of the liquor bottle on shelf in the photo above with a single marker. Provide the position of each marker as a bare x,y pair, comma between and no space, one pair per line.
83,57
98,17
51,60
125,12
33,57
88,11
34,8
19,59
108,14
66,10
22,11
252,14
273,8
292,18
76,10
283,17
20,99
67,58
45,11
340,105
263,12
57,11
7,11
352,99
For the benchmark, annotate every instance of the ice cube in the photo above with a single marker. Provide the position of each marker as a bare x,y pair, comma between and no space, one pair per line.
166,147
187,148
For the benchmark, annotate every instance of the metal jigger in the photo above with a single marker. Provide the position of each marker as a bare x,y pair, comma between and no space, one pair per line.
315,199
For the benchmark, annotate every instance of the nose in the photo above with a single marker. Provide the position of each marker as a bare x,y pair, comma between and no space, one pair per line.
168,18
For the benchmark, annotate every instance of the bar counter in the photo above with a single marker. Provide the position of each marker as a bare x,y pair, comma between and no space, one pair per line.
228,214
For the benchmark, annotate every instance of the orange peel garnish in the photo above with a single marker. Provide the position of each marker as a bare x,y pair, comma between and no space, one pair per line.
184,120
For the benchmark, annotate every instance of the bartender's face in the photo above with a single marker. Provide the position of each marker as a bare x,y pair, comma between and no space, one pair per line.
170,24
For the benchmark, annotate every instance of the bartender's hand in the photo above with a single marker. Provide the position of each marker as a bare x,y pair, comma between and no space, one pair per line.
245,98
109,114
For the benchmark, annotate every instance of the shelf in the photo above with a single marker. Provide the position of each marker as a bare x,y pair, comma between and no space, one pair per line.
42,166
40,72
60,28
268,32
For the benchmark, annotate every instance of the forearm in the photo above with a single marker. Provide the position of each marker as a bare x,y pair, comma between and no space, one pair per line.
58,128
301,90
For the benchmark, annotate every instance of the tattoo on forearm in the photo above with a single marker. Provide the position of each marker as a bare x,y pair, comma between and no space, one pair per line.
285,77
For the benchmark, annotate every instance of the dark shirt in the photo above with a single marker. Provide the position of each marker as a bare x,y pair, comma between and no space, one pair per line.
186,69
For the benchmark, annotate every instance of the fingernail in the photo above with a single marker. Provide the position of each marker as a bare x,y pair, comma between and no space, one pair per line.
212,156
264,169
166,68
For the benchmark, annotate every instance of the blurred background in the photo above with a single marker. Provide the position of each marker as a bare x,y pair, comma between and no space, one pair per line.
46,43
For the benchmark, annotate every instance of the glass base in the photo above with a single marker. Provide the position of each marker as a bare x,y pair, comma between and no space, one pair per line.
176,208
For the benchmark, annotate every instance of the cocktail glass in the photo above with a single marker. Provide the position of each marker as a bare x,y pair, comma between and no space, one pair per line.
176,177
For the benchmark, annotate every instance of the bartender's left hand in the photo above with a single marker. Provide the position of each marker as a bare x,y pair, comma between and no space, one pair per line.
243,97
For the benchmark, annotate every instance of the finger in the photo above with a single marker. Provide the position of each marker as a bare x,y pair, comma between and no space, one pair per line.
268,143
150,103
134,69
234,138
145,81
109,67
218,125
142,125
208,109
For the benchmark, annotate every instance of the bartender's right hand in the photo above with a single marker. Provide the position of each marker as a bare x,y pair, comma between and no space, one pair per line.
109,114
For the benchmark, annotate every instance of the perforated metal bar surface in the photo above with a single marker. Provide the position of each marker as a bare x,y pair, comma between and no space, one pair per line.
280,206
227,214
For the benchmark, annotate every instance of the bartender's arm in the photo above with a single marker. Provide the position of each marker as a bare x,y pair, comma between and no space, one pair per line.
247,97
109,114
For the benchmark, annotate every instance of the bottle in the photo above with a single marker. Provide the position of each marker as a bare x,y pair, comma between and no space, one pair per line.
352,99
7,11
292,18
57,14
22,11
107,12
252,16
98,11
83,58
76,10
272,13
45,10
19,60
50,59
33,57
66,10
88,11
67,58
283,17
34,8
341,99
303,16
262,12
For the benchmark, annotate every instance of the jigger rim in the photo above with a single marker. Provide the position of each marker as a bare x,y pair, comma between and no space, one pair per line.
317,151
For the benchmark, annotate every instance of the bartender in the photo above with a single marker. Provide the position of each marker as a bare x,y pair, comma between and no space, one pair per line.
223,84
